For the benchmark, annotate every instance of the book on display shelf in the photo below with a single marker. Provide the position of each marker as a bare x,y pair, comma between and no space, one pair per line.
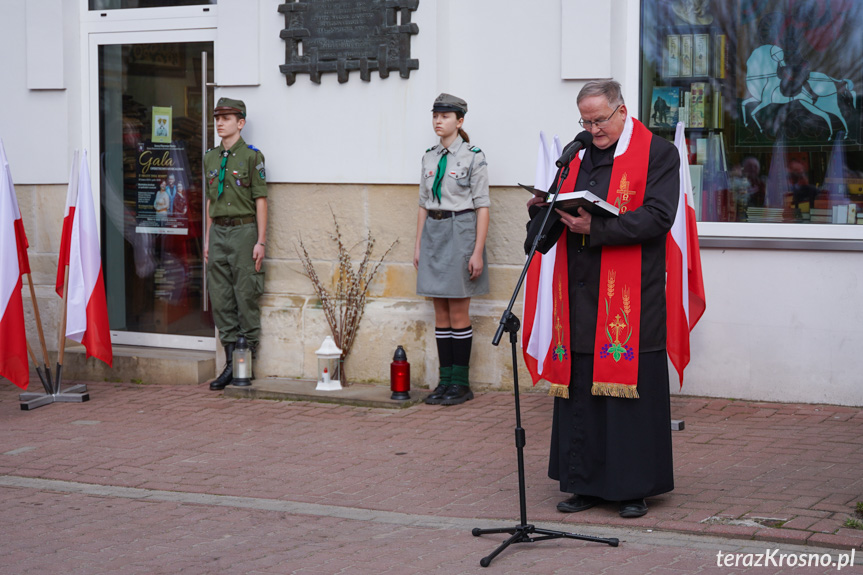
720,55
671,56
701,59
664,107
698,103
685,55
696,175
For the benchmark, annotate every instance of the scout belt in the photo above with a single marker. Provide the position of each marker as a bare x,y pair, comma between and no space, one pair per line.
444,214
233,221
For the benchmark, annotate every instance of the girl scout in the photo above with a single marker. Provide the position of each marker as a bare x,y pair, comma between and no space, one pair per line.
450,247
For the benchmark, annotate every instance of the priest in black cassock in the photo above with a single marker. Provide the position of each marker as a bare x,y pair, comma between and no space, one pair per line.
611,434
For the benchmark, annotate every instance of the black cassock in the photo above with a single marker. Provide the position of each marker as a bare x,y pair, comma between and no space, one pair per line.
610,447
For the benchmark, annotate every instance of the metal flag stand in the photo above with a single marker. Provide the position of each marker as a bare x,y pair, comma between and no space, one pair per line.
76,393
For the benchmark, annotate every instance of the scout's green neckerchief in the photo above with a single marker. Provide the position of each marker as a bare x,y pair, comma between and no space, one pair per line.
438,178
222,172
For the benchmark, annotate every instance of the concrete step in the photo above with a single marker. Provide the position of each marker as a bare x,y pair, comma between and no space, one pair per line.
356,394
141,365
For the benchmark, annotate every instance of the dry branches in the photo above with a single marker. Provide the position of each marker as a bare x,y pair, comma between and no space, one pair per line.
344,305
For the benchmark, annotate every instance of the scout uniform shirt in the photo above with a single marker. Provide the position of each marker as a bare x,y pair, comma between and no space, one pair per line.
464,186
245,180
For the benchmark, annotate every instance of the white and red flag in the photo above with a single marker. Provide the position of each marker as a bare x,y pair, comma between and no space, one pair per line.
13,264
86,307
684,287
68,218
546,295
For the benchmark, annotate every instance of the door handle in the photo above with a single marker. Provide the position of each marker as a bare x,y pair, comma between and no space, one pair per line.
204,141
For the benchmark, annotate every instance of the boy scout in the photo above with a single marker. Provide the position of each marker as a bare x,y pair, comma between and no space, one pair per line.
236,233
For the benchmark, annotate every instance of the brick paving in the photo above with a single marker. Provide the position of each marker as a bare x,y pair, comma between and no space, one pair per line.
178,479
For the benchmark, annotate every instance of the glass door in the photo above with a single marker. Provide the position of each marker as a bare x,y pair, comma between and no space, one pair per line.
153,127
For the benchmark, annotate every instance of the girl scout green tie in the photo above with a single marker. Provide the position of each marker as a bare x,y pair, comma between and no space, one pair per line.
438,178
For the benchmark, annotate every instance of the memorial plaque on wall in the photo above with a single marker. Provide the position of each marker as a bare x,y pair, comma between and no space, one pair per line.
342,35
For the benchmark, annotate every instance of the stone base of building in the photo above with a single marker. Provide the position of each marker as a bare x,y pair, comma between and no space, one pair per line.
143,365
360,395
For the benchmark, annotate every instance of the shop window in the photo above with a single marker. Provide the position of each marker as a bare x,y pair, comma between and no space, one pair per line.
769,91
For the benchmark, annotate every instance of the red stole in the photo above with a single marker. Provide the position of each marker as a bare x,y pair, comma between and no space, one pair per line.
618,321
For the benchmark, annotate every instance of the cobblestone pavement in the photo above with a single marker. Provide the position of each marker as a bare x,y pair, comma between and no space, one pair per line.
178,479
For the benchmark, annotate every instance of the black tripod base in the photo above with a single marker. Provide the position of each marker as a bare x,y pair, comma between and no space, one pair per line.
525,534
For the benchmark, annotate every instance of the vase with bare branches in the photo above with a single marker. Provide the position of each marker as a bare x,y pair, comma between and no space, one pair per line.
345,301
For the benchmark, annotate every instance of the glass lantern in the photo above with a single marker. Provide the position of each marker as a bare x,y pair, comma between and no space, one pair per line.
329,366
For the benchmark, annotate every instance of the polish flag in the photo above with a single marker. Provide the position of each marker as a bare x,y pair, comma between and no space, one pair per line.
68,218
86,307
544,356
546,316
684,287
13,264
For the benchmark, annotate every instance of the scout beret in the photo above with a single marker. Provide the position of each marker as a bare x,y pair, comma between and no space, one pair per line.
449,103
230,106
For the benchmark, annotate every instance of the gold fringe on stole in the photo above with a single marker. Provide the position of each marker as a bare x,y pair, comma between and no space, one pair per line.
557,390
614,390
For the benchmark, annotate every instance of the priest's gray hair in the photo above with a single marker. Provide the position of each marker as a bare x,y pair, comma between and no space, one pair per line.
608,88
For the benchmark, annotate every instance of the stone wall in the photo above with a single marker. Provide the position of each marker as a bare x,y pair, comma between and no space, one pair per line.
42,213
293,322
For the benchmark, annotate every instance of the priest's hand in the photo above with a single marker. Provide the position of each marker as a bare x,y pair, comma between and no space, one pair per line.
536,201
577,225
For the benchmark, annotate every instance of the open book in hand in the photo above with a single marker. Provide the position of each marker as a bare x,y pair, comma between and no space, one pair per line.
571,201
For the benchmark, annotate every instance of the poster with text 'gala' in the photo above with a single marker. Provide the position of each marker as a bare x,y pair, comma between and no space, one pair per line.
162,181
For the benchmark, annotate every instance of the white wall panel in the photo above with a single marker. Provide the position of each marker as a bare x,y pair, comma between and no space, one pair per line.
45,44
34,123
237,43
585,37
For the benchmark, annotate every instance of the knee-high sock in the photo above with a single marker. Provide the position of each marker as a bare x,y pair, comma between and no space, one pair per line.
443,338
462,339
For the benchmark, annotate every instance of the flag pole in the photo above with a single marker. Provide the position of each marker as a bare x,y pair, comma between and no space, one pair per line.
61,344
45,383
61,347
38,318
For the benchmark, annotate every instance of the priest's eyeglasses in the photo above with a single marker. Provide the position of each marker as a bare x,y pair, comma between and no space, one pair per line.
588,125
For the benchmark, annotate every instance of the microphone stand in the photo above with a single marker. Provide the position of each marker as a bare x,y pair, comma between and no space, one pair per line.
525,532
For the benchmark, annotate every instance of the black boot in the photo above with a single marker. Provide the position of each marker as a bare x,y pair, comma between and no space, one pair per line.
227,375
435,397
459,391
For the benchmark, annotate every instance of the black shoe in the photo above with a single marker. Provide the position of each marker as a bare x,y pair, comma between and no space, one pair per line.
578,503
227,375
224,379
456,394
436,396
633,508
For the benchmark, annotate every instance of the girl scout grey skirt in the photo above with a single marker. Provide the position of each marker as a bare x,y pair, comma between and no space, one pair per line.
445,249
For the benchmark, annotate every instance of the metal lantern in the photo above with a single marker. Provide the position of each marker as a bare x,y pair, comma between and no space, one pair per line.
242,363
400,375
329,366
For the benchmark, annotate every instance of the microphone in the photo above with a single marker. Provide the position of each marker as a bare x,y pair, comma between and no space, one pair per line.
582,140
